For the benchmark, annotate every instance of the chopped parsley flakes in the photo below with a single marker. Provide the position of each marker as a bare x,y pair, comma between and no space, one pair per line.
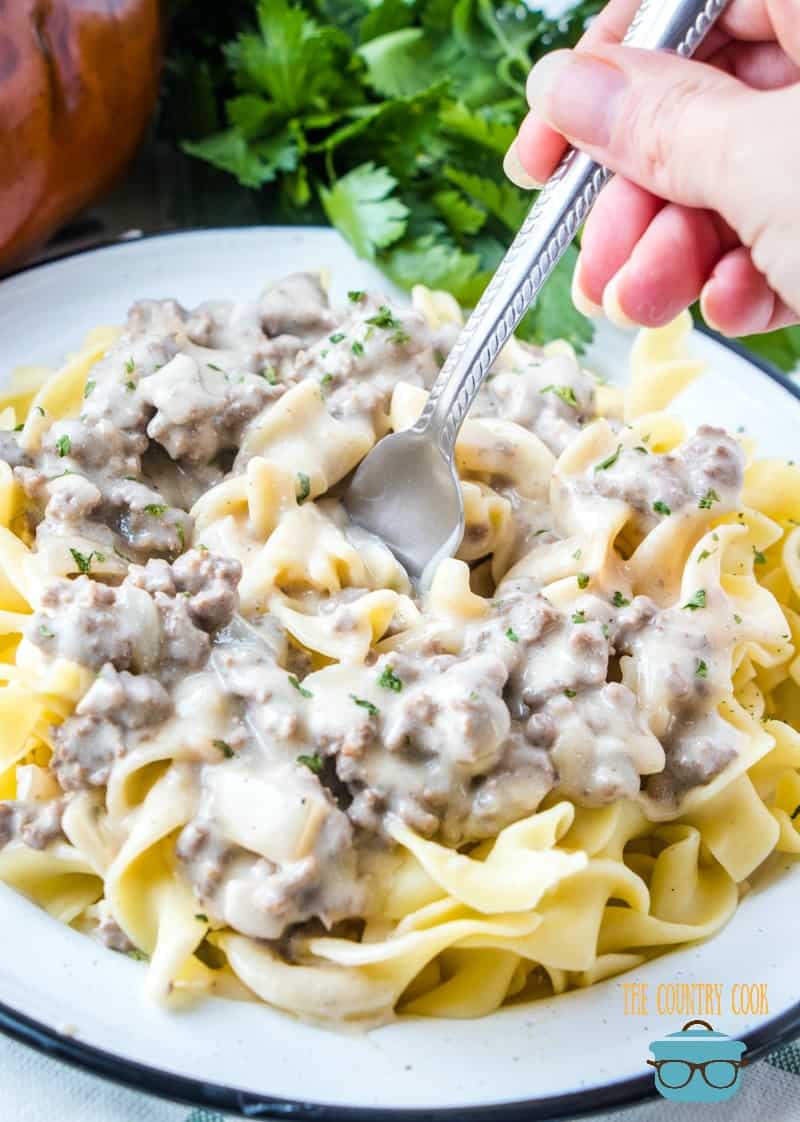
201,917
708,499
355,296
661,508
566,393
84,563
156,509
63,445
269,374
373,710
697,601
701,670
619,601
390,681
357,348
512,635
304,487
87,389
570,693
313,763
337,337
582,579
130,365
294,681
758,557
610,461
224,748
383,318
579,616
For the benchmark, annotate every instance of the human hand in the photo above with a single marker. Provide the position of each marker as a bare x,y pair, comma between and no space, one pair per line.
706,202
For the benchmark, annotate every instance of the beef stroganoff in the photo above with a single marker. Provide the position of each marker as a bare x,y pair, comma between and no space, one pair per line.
236,742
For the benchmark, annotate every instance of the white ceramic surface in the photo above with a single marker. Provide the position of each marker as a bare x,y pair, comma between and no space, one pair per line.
578,1043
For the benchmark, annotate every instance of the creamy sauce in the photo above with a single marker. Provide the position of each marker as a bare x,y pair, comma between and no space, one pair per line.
294,761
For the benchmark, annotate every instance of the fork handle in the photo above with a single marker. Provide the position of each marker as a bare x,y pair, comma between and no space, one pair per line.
561,207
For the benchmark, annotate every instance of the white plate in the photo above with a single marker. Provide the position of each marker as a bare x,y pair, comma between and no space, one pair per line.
62,992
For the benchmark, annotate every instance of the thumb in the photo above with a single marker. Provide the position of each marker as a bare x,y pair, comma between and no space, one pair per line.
667,123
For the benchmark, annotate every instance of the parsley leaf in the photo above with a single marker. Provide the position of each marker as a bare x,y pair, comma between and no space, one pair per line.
360,205
512,635
313,763
87,389
610,461
156,509
566,393
294,681
758,557
383,318
390,681
303,488
708,499
373,710
224,748
619,601
82,562
701,670
63,445
582,579
661,508
697,601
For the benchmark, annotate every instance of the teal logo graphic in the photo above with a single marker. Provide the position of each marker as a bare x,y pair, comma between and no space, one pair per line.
697,1065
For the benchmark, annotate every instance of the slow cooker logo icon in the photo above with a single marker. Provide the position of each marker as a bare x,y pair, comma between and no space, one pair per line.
697,1065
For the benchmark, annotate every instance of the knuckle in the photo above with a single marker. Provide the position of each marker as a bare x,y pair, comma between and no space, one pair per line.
665,134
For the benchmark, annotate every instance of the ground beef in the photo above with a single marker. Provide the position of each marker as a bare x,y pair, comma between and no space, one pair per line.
10,450
145,521
37,825
298,306
73,498
106,724
200,410
81,620
707,467
210,585
152,622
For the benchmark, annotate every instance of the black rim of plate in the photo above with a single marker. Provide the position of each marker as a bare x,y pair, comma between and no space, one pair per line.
216,1096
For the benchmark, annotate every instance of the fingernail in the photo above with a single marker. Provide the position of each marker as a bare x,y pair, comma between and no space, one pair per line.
612,306
576,94
581,301
705,312
512,166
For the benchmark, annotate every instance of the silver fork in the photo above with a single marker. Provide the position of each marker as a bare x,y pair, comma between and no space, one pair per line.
406,491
